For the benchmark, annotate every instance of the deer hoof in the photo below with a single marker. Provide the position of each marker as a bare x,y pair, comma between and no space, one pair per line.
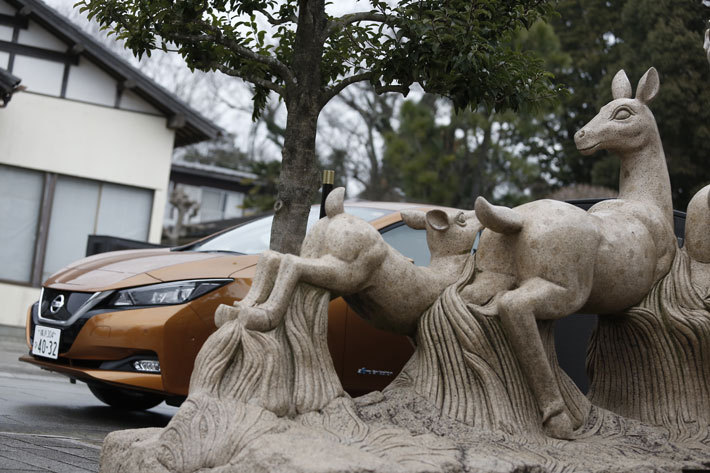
224,314
559,426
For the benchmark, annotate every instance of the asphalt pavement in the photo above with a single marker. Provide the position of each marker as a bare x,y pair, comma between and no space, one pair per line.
48,424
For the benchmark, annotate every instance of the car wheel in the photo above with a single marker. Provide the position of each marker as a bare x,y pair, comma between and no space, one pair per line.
124,398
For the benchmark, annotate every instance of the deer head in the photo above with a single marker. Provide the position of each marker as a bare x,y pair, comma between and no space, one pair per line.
624,124
447,232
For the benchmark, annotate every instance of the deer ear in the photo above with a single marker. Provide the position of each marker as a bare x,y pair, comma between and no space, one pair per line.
438,219
415,219
648,86
620,86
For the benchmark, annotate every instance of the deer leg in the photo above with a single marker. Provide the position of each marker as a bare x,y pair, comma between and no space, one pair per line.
266,269
328,272
519,309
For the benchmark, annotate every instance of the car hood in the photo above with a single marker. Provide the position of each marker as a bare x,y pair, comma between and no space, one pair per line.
130,268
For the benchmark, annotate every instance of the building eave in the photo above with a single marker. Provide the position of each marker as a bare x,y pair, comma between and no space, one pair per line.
212,176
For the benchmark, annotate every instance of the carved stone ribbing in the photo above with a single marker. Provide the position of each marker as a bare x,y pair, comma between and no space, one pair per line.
653,362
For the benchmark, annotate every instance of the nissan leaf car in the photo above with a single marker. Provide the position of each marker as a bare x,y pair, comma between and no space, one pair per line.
130,323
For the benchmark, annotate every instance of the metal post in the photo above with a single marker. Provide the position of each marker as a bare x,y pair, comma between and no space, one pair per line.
328,180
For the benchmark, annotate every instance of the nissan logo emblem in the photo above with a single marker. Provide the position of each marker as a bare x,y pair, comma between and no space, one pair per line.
56,304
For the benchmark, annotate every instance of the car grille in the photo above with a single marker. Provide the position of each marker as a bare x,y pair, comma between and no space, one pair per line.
70,303
68,335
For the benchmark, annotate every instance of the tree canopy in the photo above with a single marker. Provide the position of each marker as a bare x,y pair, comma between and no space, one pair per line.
603,37
449,157
300,51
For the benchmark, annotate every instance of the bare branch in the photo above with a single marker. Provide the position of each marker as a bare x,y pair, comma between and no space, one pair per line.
402,89
351,18
337,88
278,21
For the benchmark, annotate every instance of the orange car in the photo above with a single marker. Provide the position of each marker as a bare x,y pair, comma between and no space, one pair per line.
130,323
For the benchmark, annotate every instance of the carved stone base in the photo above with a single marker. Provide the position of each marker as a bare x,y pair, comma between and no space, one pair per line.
271,402
208,435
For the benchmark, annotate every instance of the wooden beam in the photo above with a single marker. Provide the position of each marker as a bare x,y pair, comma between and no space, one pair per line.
127,84
14,21
25,11
40,53
77,49
176,121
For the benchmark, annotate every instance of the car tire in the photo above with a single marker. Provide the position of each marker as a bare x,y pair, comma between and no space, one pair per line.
124,398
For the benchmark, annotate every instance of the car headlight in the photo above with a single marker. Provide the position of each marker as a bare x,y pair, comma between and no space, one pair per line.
164,294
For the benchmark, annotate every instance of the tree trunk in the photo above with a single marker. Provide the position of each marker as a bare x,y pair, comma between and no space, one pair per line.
298,180
299,174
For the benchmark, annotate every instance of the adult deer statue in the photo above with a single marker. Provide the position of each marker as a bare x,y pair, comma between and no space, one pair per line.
547,259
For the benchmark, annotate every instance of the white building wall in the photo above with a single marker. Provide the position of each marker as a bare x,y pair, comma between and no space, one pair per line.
89,83
38,75
16,301
77,139
131,101
38,37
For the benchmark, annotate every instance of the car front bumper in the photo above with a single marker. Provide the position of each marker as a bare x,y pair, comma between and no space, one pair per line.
100,348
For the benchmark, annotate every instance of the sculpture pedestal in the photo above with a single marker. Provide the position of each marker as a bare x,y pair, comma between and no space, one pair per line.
271,402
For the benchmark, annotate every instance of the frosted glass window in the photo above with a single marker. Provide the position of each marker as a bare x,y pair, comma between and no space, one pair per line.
233,207
20,201
5,33
212,205
124,212
4,59
73,216
88,83
38,75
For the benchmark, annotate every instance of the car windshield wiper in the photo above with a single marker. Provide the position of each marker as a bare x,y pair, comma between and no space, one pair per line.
218,251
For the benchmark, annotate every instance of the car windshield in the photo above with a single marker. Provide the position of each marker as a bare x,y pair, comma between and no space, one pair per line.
253,237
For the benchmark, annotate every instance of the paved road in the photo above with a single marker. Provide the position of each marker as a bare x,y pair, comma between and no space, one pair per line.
49,424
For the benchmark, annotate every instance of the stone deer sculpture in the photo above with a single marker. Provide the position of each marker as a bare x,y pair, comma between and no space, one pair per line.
347,256
548,259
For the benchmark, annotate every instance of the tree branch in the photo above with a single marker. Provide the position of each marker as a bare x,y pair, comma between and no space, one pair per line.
275,66
351,18
337,88
249,78
402,89
278,21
